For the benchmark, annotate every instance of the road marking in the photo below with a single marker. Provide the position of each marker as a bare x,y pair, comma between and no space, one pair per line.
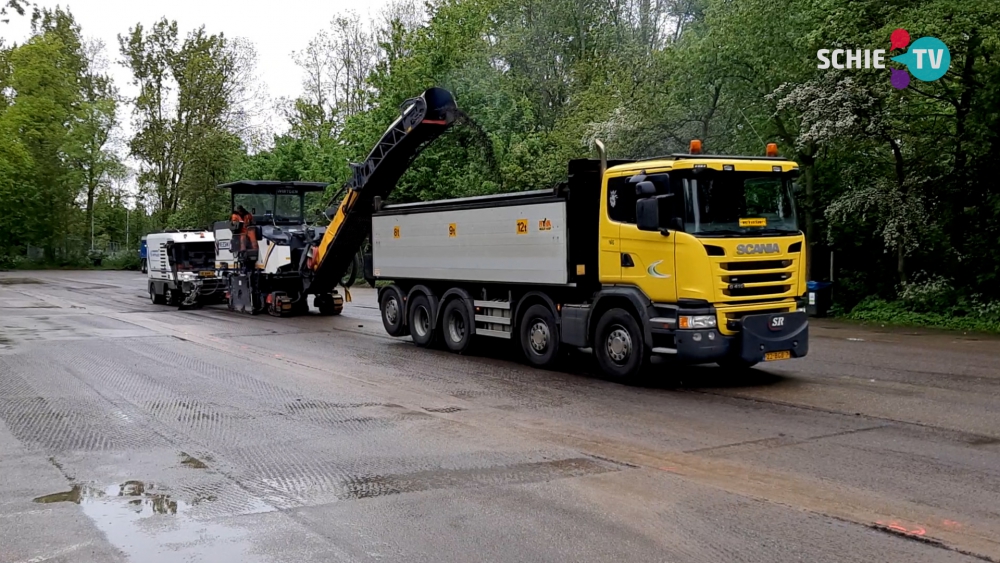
57,553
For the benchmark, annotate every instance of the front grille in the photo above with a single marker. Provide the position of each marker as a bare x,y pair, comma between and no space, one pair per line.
756,291
756,265
757,278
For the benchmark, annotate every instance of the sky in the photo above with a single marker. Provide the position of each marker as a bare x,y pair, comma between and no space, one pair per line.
277,28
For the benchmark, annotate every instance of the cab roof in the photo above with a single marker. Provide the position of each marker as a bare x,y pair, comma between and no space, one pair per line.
270,186
713,161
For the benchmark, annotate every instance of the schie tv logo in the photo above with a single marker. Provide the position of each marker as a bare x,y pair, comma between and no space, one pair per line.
927,59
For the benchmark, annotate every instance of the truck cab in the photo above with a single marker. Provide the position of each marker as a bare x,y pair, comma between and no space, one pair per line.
182,269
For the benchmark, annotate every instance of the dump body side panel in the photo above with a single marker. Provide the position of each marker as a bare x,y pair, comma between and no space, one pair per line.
523,243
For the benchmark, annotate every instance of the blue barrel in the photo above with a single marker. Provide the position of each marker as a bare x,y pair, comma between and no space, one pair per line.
819,298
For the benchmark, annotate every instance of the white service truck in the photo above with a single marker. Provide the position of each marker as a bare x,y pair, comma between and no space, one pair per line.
181,269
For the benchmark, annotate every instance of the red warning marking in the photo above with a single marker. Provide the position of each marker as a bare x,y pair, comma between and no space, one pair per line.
951,524
897,527
669,469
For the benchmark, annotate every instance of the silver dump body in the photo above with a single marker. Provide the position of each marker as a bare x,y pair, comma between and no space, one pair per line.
511,238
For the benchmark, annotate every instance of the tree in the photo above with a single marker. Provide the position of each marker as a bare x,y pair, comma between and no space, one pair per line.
189,95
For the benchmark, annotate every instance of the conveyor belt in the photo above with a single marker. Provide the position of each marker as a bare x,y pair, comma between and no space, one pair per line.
421,121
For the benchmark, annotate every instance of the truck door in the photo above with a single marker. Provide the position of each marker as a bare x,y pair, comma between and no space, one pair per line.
647,257
610,254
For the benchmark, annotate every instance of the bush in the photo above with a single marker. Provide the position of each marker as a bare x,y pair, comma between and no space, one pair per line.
964,315
929,293
123,261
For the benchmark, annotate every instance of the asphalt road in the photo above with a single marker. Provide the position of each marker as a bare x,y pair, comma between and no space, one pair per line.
134,432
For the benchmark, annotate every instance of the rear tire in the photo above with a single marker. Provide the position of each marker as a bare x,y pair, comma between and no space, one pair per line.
539,336
393,312
456,326
421,322
327,305
619,345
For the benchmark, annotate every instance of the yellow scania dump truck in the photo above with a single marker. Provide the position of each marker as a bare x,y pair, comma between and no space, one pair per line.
692,256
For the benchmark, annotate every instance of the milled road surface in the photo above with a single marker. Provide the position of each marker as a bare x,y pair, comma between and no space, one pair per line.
134,432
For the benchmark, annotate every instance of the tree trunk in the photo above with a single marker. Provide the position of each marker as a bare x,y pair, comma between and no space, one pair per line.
897,155
809,172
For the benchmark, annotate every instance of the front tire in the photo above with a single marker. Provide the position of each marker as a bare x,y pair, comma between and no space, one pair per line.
393,312
457,326
619,345
156,298
539,336
421,322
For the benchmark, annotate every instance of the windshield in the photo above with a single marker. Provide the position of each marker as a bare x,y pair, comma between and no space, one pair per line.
193,255
288,208
280,208
257,204
740,203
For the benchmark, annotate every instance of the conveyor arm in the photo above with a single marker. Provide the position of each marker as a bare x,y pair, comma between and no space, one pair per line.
421,121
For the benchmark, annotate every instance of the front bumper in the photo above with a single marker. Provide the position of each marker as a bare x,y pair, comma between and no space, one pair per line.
758,335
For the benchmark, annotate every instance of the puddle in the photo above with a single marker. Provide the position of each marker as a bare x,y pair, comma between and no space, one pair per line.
75,495
148,524
192,462
18,281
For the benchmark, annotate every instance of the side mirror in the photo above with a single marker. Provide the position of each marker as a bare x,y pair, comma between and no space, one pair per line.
662,183
645,189
655,214
647,214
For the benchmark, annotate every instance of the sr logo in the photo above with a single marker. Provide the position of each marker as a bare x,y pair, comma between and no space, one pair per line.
777,323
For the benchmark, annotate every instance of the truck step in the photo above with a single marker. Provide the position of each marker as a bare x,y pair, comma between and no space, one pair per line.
493,320
494,333
492,304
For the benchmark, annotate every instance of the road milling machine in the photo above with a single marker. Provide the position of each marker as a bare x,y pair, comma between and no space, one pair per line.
273,260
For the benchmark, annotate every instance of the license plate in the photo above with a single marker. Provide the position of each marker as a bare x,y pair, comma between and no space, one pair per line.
782,355
207,274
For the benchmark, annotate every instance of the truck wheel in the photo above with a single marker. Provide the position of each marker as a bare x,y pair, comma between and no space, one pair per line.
174,297
154,297
539,336
619,345
327,305
457,326
391,305
420,322
351,275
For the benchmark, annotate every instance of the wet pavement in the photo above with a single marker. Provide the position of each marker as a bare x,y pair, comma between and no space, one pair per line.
136,432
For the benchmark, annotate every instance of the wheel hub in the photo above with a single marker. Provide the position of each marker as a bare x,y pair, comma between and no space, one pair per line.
423,324
456,327
538,336
392,310
619,344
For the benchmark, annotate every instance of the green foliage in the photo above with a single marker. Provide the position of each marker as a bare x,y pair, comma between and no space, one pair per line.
978,317
895,183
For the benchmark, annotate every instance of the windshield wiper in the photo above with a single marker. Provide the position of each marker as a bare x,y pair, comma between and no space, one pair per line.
773,231
717,232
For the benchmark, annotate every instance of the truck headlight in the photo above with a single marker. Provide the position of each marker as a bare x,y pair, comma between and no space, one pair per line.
696,321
